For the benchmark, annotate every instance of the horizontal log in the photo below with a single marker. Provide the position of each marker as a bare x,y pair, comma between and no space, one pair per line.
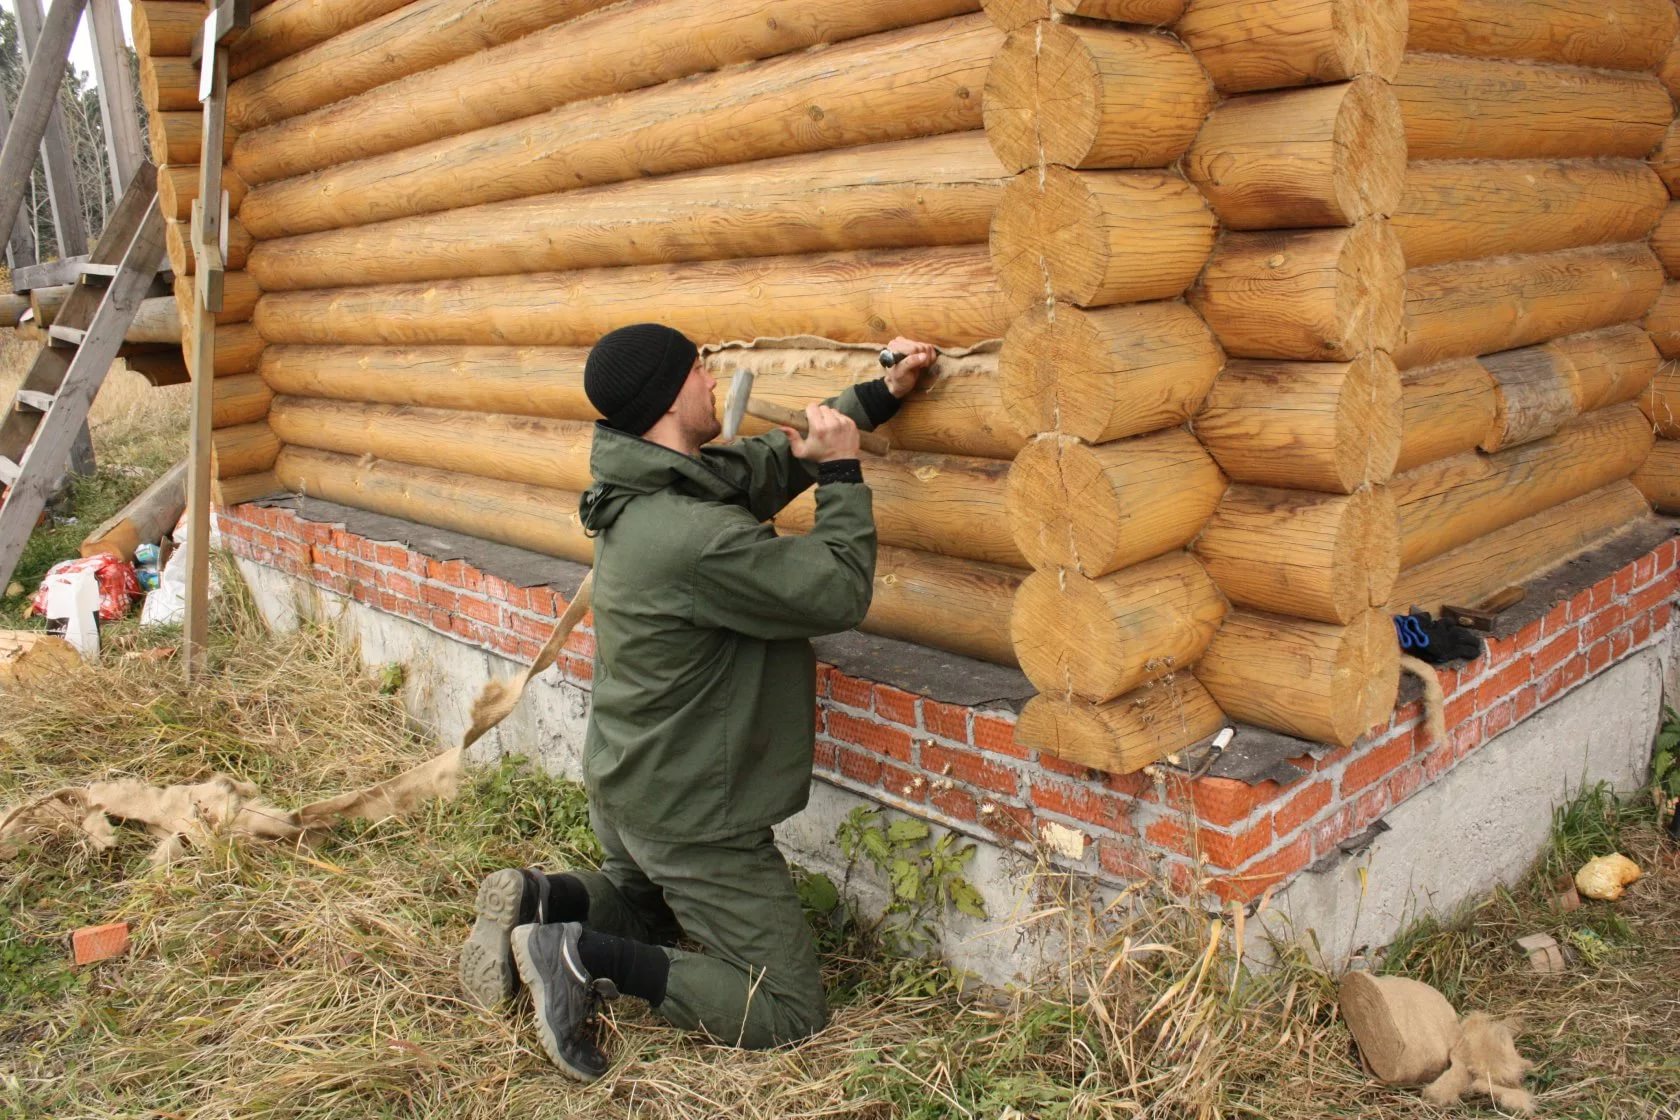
957,605
146,519
45,303
239,399
177,239
164,27
1663,320
1463,309
178,189
1471,108
1098,639
1445,409
612,50
239,298
1534,395
1125,735
1325,156
156,320
1327,426
1669,72
1456,210
1092,96
1612,366
1313,295
1665,239
417,36
527,449
12,308
922,81
957,409
246,488
168,85
948,296
1452,502
1104,374
1318,556
1611,34
1519,553
1250,46
540,518
178,138
1095,510
1012,15
938,190
521,381
158,365
1660,402
1093,238
1666,161
945,504
238,348
244,449
1658,478
288,27
1316,680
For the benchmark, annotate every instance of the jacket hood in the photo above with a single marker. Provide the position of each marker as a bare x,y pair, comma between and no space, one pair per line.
625,467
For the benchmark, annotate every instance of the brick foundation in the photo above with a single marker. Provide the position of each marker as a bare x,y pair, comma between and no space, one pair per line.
961,766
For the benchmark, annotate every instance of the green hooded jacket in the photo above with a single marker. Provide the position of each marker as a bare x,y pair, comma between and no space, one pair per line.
703,719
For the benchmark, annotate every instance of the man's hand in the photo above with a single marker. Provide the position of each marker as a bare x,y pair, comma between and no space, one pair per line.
833,435
918,356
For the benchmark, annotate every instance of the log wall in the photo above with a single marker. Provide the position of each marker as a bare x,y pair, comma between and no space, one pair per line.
1659,477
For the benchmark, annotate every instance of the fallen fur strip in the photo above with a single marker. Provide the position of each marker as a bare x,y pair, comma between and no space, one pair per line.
1434,700
499,698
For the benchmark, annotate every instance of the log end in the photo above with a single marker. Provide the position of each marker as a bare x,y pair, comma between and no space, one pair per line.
1659,478
1368,421
1366,560
1124,735
1663,321
1370,168
1371,294
1012,15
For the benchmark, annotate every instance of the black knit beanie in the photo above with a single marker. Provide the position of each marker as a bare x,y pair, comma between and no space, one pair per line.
634,373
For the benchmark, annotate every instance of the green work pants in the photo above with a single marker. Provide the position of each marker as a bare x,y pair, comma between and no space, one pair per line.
757,984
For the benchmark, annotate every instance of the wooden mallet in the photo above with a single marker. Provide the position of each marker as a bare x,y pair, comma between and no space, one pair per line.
739,404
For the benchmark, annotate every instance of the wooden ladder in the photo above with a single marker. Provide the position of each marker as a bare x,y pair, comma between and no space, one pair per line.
52,403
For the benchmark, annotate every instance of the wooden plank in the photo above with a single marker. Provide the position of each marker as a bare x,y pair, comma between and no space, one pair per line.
60,161
20,247
117,102
36,102
29,398
51,274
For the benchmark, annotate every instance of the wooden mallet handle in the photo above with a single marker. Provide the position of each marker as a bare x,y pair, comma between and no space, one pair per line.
873,442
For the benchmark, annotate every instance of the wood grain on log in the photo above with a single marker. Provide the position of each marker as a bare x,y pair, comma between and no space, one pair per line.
1124,735
1315,295
178,188
1463,309
178,138
1666,161
1093,96
938,190
1108,373
1451,502
1250,46
1320,556
239,399
1665,239
1012,15
1661,401
146,519
1093,238
1098,639
167,84
1327,426
615,49
238,347
1317,680
1472,108
1658,478
239,299
1662,320
922,81
1325,156
1519,552
948,296
177,239
246,488
1455,210
288,27
1612,34
1612,366
1445,409
958,605
1534,395
1095,510
523,381
243,449
164,27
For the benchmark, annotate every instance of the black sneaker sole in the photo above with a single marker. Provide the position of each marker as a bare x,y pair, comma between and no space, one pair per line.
487,970
533,978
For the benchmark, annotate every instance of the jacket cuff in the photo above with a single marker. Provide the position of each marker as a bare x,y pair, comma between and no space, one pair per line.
877,400
839,470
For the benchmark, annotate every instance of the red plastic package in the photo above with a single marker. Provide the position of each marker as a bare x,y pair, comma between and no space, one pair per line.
118,585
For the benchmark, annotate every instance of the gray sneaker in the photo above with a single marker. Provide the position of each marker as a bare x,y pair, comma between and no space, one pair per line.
564,996
487,971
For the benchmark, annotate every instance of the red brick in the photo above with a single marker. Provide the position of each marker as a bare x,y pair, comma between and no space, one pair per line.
1327,833
1081,803
1574,671
1502,684
541,600
527,627
1646,598
1598,656
998,736
1170,833
1602,623
314,532
582,642
580,668
1437,761
893,742
1265,873
824,755
496,589
1373,765
968,767
1371,805
957,803
468,629
1231,850
1555,653
1123,858
859,766
401,585
825,677
1301,807
97,943
1620,642
1666,553
1063,767
1501,650
1641,630
367,550
474,607
1644,569
1556,620
504,643
851,692
895,704
1135,785
1602,595
1622,582
1580,605
1467,738
1498,718
1328,762
1009,822
1404,782
391,556
1225,801
1525,702
903,783
948,721
439,596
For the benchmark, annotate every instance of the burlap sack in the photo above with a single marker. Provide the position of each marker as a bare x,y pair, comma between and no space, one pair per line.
1405,1029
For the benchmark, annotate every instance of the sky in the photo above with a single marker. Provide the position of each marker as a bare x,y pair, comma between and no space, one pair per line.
81,51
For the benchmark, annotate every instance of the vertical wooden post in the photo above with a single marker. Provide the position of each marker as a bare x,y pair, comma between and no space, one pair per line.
55,142
117,103
20,247
37,101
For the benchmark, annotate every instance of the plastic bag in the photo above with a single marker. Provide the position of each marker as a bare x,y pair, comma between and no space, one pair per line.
118,584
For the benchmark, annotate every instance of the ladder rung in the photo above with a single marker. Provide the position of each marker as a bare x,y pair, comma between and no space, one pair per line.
98,273
69,336
9,471
30,399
